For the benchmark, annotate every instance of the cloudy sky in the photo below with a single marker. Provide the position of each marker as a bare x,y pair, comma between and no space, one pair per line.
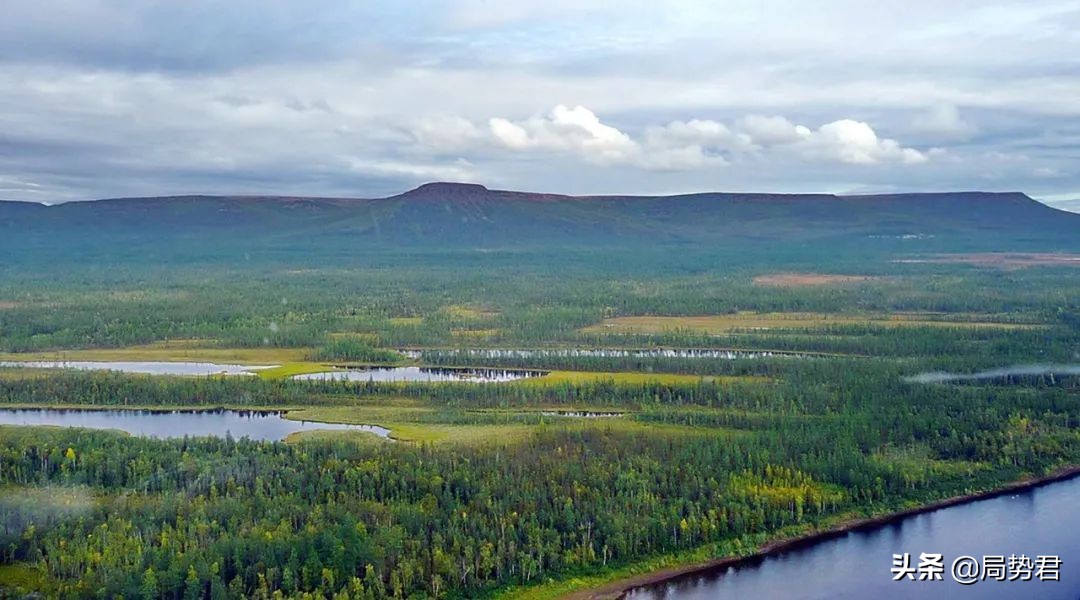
105,98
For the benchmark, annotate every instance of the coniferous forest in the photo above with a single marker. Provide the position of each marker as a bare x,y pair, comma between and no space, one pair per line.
733,410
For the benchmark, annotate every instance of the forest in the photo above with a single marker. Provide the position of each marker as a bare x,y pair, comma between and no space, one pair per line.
805,415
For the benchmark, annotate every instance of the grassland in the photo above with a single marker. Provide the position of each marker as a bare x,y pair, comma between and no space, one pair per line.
409,421
474,334
460,311
796,280
22,579
755,321
291,369
171,351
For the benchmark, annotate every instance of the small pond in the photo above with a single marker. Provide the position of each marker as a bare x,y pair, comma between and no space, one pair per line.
171,424
421,374
579,414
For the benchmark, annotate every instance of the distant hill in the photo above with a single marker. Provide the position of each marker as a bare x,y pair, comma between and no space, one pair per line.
464,217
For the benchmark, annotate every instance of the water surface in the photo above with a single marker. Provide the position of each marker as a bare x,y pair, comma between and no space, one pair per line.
1041,521
141,367
421,374
172,424
1004,374
717,353
579,414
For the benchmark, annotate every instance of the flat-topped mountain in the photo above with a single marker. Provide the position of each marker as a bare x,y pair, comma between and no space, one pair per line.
449,216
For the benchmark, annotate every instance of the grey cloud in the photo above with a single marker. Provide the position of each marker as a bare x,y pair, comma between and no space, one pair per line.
110,97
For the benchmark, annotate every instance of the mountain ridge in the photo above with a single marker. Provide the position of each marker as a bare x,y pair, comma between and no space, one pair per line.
446,190
453,217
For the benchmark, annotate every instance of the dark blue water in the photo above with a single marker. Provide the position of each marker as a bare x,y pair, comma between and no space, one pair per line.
1041,521
217,423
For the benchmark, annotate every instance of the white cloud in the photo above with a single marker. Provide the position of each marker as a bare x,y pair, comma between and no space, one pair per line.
856,143
111,97
771,131
508,134
697,143
844,141
575,129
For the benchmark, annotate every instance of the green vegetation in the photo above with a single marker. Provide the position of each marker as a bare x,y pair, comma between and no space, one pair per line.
341,349
291,369
480,493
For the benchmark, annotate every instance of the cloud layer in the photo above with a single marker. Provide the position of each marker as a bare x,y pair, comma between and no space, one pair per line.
681,145
119,97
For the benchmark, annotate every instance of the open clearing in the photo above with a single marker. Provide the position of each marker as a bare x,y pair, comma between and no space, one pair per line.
717,324
470,312
420,424
23,578
794,280
4,305
1002,260
474,333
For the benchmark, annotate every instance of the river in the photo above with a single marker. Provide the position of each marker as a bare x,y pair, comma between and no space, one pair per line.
1038,521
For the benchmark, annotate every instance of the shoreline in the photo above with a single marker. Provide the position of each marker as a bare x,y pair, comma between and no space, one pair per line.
155,408
617,589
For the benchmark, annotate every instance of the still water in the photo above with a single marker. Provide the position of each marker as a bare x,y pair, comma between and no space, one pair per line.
579,414
141,367
217,423
716,353
1041,521
423,374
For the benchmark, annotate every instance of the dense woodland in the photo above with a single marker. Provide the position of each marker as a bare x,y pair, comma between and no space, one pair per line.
742,450
114,515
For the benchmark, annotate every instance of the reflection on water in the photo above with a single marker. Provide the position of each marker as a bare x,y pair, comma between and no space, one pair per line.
577,414
142,367
1005,375
422,374
726,354
1035,522
216,423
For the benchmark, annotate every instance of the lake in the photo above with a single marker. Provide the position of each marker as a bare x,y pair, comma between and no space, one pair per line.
1039,521
171,424
421,374
141,367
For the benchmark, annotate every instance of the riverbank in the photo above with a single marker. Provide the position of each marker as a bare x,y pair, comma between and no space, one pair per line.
616,589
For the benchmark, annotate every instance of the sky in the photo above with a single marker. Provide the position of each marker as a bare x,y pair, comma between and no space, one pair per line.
109,98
